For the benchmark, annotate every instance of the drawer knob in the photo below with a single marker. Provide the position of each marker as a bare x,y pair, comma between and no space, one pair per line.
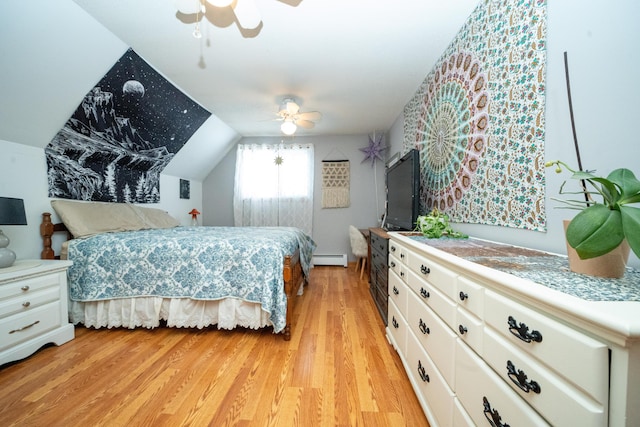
462,329
423,327
402,274
492,415
393,264
394,322
424,293
26,304
521,331
519,378
25,288
402,256
424,269
392,249
422,372
395,291
463,296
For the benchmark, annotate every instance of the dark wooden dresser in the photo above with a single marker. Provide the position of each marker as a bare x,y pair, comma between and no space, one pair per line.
379,249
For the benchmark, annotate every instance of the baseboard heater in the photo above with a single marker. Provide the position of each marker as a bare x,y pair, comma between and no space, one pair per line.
330,259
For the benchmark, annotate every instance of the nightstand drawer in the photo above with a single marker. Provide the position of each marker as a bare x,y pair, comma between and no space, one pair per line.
24,326
23,287
28,301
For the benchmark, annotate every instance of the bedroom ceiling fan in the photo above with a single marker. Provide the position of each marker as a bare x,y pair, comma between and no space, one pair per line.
292,117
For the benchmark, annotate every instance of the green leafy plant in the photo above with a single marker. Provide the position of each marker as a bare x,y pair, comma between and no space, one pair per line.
602,225
436,225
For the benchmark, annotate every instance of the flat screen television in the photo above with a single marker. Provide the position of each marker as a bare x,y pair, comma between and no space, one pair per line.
403,192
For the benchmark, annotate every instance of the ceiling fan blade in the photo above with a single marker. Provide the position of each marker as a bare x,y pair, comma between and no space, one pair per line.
305,124
188,6
292,108
247,14
310,115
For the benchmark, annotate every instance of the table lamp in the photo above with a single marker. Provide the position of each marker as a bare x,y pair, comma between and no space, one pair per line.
11,213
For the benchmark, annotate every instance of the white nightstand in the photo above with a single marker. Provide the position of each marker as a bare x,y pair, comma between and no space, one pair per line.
33,307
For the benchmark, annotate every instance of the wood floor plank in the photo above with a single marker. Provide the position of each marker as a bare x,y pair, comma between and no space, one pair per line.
337,370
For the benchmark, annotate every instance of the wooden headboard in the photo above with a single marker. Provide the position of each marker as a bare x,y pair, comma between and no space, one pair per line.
47,229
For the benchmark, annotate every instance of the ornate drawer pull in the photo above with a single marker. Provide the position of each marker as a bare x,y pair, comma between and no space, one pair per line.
492,415
463,296
462,329
519,378
394,322
423,327
395,291
521,331
24,327
26,304
422,372
424,269
25,288
424,293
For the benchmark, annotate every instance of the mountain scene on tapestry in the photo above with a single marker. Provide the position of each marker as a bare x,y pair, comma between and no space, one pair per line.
124,133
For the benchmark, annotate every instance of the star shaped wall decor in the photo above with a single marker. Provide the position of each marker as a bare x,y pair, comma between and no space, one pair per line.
374,150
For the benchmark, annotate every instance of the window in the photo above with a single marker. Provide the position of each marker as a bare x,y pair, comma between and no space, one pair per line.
274,186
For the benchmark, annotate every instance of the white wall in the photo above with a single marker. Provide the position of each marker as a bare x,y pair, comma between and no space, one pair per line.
330,226
601,41
23,174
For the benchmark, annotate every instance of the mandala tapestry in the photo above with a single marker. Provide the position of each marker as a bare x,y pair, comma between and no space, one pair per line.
478,119
335,184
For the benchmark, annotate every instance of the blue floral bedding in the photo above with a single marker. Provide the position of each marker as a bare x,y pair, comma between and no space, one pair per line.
203,263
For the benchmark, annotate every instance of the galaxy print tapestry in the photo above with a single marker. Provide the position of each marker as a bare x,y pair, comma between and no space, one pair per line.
478,119
120,138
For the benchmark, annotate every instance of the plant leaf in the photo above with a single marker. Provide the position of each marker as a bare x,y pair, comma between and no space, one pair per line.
628,183
595,231
631,226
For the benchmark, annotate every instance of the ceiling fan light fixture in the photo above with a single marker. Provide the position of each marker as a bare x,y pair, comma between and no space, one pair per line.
288,127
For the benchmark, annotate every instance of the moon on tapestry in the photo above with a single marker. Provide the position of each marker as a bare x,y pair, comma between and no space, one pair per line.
452,130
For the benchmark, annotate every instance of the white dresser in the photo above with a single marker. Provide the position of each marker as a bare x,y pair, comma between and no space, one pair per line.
33,308
492,334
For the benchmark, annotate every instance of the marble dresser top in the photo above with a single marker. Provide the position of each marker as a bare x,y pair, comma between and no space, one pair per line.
550,270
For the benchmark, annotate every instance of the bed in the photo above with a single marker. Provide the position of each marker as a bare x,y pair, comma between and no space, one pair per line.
137,267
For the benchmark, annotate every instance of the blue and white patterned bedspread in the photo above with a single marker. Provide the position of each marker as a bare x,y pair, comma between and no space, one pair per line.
204,263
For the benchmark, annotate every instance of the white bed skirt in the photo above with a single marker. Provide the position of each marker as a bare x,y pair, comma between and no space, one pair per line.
147,312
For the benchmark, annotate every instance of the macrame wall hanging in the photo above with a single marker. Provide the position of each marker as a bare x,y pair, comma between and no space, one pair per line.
335,184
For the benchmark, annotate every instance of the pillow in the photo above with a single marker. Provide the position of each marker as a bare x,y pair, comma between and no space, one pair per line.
155,218
84,219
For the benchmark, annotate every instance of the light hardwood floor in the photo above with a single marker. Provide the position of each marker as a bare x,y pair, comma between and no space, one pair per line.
337,370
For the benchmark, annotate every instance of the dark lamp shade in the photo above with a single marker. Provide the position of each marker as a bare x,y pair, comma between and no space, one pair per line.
12,211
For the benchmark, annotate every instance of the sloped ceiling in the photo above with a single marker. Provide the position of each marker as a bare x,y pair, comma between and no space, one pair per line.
357,62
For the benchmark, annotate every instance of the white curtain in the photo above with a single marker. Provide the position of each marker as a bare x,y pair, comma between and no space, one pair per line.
274,186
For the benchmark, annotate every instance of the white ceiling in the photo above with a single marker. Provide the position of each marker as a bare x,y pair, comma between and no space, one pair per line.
356,61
